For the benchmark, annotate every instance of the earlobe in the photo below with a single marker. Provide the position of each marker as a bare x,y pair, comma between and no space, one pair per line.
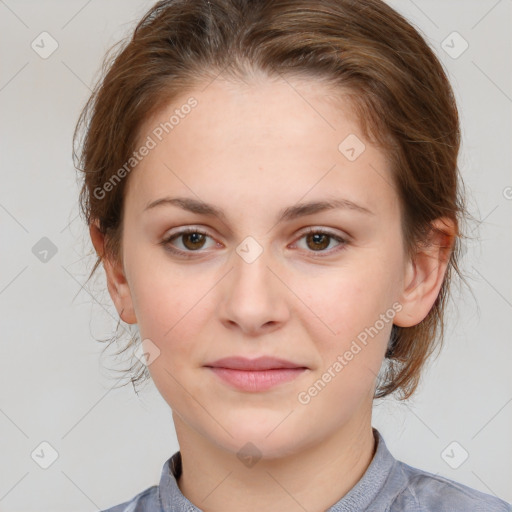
117,284
425,272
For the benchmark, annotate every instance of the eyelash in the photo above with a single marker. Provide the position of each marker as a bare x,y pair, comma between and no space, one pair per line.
316,254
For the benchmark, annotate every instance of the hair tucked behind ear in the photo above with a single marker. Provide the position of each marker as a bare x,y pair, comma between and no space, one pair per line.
367,51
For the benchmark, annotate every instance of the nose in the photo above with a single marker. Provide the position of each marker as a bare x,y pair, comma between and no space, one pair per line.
254,298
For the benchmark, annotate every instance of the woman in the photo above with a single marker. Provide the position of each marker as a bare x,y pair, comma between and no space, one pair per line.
272,188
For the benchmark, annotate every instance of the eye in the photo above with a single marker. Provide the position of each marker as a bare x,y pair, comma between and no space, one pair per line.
192,240
317,240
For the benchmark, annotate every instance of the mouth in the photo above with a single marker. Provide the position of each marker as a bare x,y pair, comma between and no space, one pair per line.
255,374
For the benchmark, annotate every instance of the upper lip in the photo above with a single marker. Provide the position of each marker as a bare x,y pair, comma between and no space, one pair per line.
260,363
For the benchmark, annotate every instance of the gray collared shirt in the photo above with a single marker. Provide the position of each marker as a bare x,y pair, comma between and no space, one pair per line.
388,485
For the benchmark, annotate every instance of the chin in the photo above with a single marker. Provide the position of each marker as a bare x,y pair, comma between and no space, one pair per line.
269,448
267,434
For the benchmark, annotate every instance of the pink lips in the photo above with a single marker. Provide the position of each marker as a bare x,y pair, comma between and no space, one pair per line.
255,374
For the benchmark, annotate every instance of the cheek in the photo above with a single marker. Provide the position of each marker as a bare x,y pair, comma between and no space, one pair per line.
352,323
347,300
172,315
168,314
351,341
161,295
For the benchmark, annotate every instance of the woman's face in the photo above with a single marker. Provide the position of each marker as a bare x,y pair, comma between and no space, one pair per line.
256,283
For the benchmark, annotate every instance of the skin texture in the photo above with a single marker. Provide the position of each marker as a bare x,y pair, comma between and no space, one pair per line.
252,150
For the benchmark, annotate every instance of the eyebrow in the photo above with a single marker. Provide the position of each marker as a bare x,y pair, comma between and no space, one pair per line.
286,214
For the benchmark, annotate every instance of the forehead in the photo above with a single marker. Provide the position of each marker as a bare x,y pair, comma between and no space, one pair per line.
255,139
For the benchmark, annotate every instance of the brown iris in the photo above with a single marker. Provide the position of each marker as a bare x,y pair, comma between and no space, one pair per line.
196,240
318,239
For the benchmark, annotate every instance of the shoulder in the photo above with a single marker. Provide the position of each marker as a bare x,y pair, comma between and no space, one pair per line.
423,491
145,501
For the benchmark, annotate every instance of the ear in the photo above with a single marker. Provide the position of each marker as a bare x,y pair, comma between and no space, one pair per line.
116,280
424,273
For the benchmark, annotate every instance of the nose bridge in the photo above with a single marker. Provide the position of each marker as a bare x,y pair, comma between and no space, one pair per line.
251,280
254,296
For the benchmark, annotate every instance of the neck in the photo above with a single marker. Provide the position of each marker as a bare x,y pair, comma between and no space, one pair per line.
314,478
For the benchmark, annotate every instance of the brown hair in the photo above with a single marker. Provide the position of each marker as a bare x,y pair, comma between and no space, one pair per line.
364,49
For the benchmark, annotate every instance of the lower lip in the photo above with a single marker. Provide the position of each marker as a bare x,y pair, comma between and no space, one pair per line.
260,380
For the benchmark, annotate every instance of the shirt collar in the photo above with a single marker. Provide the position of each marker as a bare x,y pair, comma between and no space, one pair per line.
358,498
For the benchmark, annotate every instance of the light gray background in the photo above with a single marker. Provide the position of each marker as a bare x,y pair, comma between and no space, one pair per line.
112,443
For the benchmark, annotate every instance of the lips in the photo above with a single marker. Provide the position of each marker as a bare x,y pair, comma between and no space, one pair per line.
258,364
255,375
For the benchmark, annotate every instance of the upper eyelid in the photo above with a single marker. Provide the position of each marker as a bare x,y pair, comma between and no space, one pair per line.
194,229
